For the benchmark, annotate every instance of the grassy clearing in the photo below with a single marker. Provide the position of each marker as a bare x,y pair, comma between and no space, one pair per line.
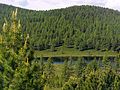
64,52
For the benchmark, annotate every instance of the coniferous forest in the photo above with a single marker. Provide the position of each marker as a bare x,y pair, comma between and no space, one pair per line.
79,27
83,28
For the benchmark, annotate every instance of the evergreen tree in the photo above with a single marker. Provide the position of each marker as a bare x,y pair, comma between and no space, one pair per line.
116,85
17,70
49,72
79,67
65,72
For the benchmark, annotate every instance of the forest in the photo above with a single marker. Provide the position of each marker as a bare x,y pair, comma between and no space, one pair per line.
79,27
22,32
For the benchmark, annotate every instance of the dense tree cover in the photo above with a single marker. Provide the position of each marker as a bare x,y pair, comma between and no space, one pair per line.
20,70
93,77
80,27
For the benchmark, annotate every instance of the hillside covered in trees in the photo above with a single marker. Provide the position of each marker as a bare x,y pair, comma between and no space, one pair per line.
23,31
79,27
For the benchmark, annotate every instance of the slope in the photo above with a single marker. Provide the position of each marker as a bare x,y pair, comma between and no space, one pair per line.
79,27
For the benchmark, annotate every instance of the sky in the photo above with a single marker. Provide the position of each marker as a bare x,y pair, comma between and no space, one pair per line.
55,4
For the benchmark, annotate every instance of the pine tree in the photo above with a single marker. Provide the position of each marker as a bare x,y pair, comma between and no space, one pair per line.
79,67
116,83
49,71
65,72
19,72
105,61
9,43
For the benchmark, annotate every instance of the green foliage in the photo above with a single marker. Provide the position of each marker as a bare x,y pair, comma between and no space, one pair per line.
116,83
79,67
71,52
80,27
49,72
18,69
65,72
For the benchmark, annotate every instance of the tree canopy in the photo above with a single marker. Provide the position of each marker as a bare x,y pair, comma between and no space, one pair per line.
79,27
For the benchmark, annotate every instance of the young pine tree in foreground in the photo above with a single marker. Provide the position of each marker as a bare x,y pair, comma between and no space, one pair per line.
18,70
